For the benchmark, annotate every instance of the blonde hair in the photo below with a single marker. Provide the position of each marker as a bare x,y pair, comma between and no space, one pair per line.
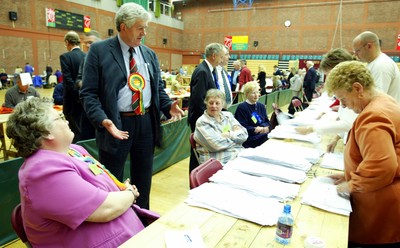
261,68
345,74
250,87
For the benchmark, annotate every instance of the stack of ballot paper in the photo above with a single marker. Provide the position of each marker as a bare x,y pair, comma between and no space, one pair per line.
333,161
264,169
259,186
278,157
237,203
289,132
281,150
321,193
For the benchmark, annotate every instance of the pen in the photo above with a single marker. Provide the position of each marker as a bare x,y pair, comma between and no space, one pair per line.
188,239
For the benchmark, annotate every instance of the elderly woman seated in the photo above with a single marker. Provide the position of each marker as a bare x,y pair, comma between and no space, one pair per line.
68,198
253,116
218,134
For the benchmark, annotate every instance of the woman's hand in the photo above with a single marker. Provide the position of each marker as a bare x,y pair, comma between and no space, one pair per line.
226,134
132,188
338,178
331,146
343,190
304,130
261,130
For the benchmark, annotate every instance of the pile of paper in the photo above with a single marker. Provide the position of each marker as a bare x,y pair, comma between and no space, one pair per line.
264,169
322,194
289,132
237,203
333,161
273,155
259,186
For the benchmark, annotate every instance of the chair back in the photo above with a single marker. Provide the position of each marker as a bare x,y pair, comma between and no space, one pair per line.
18,225
297,104
193,145
203,172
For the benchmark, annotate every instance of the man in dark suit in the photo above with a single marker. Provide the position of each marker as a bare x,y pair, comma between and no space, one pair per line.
201,81
277,71
310,80
70,61
87,129
112,74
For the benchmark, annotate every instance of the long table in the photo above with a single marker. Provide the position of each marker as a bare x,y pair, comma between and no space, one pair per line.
219,230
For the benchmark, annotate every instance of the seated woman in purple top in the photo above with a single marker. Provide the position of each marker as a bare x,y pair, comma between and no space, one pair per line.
68,199
253,116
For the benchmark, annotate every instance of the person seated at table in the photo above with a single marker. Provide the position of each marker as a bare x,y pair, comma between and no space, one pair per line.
19,93
253,116
218,134
58,94
67,197
372,157
176,87
3,78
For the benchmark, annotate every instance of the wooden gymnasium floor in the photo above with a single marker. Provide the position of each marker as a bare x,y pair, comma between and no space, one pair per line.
169,188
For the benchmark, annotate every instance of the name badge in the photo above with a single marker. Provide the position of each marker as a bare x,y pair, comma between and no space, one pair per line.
95,170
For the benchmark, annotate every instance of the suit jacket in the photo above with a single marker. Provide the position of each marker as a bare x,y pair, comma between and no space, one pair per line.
310,79
70,62
201,81
104,75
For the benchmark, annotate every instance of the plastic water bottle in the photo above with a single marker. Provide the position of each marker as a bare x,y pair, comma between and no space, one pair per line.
284,227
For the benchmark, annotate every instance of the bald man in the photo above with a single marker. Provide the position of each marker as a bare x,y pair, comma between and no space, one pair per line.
384,70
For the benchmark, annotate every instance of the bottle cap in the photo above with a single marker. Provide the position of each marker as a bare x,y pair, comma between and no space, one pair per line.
314,242
287,208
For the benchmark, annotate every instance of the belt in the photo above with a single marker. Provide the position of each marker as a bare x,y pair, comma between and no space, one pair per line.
129,114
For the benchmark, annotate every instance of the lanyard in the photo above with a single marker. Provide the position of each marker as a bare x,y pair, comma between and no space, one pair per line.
95,166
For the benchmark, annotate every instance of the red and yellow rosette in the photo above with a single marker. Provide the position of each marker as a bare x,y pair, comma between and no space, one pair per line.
137,83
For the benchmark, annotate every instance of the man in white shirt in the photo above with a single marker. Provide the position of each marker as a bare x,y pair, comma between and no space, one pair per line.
384,70
223,80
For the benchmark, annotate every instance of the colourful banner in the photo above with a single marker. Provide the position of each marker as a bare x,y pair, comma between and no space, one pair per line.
237,42
86,24
398,42
50,18
228,42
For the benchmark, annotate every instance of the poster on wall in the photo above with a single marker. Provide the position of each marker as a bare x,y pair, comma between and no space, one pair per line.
398,42
228,42
56,18
237,43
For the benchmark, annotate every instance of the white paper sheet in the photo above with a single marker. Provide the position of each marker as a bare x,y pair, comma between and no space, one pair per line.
265,169
321,193
333,161
259,186
235,202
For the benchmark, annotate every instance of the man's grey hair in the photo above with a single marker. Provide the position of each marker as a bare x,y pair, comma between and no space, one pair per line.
129,13
236,62
72,37
93,33
213,48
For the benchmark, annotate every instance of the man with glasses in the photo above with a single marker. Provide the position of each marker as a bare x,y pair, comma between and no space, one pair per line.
386,74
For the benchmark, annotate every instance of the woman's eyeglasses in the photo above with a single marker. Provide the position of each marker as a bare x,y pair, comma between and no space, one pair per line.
61,117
